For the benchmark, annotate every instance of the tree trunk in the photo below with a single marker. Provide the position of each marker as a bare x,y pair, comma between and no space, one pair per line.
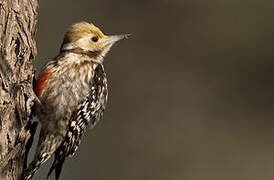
18,20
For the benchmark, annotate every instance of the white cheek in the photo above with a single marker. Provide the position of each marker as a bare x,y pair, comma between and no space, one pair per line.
68,46
83,43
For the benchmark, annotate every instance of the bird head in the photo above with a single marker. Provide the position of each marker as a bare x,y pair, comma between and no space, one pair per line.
88,38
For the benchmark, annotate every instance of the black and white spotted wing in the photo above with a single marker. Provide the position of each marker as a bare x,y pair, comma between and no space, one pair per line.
89,112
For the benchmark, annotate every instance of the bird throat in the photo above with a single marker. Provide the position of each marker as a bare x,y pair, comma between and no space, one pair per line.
95,55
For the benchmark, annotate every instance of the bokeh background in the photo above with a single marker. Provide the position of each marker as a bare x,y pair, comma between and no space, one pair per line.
191,92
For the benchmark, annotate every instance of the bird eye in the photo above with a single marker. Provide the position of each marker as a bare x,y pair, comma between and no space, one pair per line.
94,39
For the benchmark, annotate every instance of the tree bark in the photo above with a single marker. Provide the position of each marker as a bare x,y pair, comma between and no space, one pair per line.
18,20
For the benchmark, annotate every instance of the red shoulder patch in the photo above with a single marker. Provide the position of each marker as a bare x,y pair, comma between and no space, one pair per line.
41,83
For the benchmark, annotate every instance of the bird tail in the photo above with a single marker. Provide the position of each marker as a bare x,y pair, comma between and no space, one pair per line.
67,148
46,146
59,159
34,166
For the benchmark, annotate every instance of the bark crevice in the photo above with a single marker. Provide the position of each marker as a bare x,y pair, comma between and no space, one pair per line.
18,21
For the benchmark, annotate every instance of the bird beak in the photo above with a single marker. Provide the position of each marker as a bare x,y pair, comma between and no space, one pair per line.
110,40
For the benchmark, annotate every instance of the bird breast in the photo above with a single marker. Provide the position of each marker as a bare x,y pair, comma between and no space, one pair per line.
68,85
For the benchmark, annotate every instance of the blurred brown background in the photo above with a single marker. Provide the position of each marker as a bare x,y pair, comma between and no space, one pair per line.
191,92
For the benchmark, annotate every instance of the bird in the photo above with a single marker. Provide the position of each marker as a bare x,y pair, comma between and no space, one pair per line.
72,90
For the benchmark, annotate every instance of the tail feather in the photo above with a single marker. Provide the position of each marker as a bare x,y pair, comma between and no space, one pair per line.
60,155
53,166
58,169
34,166
46,147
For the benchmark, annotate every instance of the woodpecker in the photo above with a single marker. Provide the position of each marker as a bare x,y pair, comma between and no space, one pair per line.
72,89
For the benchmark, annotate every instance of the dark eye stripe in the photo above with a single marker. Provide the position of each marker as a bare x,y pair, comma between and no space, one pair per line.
94,39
